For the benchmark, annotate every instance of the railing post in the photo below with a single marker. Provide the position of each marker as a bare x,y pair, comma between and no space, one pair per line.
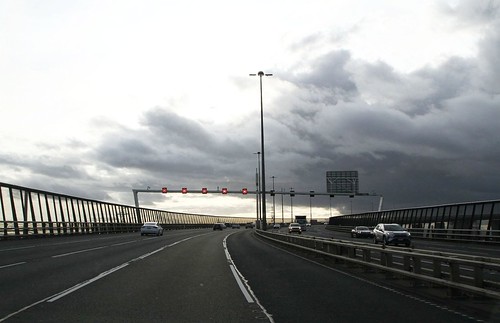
454,277
407,263
436,267
454,271
351,252
386,259
417,265
478,276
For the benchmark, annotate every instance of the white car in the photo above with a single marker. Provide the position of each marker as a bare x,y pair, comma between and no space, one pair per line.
276,226
294,227
151,228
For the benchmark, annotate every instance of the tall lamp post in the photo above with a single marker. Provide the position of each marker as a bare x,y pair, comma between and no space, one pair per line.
331,196
263,174
274,205
257,185
311,195
282,212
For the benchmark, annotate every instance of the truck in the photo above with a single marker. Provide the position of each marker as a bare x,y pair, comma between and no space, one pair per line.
302,220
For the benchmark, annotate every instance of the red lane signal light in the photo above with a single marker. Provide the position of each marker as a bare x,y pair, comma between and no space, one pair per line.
244,190
204,190
184,190
224,190
164,190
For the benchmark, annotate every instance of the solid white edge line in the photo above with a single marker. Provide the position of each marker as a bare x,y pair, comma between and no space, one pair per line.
235,272
240,284
241,280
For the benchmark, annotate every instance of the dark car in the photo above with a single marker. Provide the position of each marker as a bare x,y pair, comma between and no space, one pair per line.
361,232
219,226
388,233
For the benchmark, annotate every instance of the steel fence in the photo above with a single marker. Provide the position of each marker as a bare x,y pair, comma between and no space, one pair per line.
30,212
478,221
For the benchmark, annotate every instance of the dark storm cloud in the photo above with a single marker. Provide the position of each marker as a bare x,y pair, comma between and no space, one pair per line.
170,148
56,170
49,165
417,93
329,74
126,150
177,130
426,137
172,131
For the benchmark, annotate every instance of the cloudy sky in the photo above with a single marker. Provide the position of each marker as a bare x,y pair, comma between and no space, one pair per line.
100,97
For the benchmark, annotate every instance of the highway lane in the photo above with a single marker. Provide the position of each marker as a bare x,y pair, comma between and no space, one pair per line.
183,276
295,289
186,276
34,269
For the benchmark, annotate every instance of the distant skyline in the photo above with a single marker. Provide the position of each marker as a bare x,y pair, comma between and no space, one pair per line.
101,97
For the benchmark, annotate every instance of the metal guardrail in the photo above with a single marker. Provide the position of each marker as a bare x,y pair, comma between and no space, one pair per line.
457,235
476,275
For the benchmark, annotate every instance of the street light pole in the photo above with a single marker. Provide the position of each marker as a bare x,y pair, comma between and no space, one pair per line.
311,194
274,205
331,205
257,184
282,212
263,174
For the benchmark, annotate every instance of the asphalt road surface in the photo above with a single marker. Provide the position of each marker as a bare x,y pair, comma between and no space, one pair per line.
193,276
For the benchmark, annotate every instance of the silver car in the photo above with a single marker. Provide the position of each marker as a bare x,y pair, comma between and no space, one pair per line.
294,227
361,232
391,233
151,228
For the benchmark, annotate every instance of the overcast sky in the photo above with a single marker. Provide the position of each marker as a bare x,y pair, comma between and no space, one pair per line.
100,97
